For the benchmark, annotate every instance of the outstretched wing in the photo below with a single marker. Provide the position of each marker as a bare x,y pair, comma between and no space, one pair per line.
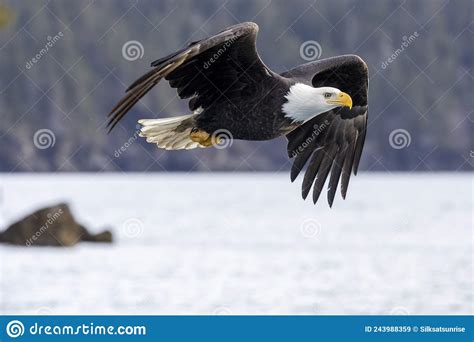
207,71
332,141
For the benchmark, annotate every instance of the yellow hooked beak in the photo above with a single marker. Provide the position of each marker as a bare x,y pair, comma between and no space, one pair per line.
342,100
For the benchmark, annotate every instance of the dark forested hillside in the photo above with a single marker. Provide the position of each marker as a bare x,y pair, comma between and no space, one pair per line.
64,64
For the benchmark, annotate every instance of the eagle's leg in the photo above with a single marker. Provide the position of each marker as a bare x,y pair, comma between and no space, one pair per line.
202,137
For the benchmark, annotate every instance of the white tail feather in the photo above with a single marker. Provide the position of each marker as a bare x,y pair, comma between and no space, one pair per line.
163,133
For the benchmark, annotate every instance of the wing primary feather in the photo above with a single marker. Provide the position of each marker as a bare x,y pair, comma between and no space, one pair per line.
124,99
359,146
335,175
130,95
323,172
346,169
137,92
311,172
167,58
142,79
299,163
343,128
131,101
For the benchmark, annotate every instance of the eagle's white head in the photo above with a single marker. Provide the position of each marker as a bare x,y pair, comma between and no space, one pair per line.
305,102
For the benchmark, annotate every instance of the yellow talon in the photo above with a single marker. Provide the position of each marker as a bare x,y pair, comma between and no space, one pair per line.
203,138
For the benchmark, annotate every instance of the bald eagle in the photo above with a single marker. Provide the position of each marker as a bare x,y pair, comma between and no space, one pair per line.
321,107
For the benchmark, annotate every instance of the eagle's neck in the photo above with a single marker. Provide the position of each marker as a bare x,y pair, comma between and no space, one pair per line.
303,103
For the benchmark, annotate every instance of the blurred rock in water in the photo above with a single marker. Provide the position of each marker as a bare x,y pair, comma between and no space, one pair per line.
51,226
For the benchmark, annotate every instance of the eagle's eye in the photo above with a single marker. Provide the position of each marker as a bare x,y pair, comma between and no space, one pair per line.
327,95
